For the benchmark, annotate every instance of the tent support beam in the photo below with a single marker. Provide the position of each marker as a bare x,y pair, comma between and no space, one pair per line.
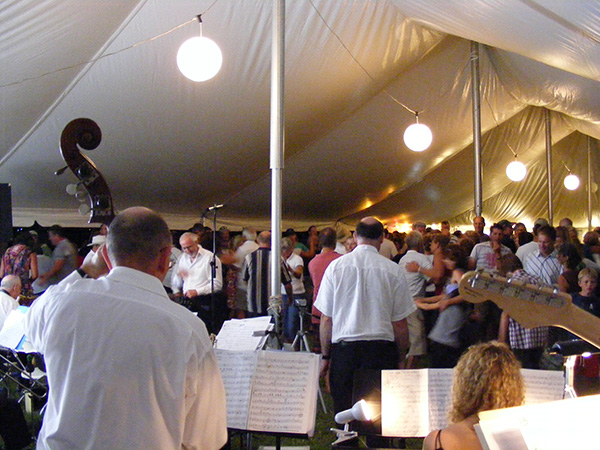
589,182
549,164
475,83
277,144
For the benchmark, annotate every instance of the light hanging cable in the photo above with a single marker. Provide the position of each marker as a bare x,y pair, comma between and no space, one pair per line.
199,58
417,136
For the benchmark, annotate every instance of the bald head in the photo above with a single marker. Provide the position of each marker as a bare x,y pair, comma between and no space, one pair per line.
12,285
369,231
264,239
137,238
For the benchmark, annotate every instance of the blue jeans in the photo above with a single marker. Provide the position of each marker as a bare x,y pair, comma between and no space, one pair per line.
291,317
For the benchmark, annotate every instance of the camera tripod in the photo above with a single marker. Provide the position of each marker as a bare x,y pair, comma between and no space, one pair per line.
302,341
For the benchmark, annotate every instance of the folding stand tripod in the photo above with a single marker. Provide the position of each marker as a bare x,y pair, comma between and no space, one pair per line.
302,341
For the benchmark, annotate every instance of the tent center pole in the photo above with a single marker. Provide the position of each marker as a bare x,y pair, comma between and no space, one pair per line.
549,165
475,83
277,147
589,181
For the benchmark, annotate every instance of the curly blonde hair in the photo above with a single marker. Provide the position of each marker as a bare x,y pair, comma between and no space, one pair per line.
487,376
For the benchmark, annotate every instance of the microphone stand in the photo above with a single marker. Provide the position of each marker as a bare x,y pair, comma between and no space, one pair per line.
213,265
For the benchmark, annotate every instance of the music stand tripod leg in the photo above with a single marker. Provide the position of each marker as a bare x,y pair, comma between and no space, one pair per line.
303,346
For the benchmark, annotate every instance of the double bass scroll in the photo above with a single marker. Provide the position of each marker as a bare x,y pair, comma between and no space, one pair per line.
86,134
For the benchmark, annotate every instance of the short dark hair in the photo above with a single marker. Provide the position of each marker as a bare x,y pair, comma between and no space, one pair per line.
373,230
497,226
289,232
137,235
328,238
548,231
57,230
525,237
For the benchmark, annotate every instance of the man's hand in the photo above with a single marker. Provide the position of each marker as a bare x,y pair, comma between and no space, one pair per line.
191,293
325,373
96,266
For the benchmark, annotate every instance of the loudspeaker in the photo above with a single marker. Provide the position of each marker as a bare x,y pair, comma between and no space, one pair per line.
6,233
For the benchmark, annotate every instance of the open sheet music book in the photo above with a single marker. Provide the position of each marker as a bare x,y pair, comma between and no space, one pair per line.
559,425
415,402
271,391
244,334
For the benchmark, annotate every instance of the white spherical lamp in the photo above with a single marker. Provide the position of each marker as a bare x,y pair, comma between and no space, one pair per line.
571,182
199,59
516,171
418,137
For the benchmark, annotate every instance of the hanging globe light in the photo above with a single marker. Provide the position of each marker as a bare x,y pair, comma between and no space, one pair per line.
199,59
516,171
571,182
417,136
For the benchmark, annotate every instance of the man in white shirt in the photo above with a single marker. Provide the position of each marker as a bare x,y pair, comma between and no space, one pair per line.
10,288
193,273
532,246
364,300
486,255
127,367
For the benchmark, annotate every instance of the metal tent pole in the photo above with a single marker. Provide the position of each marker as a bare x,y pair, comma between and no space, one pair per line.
589,181
475,82
277,144
549,164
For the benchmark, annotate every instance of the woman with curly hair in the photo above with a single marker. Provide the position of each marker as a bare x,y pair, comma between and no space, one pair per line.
487,376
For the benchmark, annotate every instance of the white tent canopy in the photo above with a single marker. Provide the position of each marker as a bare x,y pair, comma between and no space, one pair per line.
179,146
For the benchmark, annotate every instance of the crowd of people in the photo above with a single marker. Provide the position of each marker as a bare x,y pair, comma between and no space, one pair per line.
373,299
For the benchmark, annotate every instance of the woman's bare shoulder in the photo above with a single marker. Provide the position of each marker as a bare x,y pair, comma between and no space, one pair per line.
459,436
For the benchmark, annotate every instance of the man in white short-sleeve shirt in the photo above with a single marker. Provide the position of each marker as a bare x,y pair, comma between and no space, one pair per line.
364,300
127,367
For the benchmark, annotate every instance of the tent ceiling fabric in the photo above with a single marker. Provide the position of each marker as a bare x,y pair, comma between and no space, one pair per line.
179,147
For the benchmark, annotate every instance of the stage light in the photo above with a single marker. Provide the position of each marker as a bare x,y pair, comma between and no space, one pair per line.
360,411
417,136
516,171
571,182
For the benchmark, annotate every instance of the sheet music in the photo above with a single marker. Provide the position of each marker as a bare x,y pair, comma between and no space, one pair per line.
238,334
270,391
237,369
282,383
440,397
404,402
559,425
543,386
414,402
12,334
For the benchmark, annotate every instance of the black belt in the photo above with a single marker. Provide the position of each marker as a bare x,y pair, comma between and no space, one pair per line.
351,343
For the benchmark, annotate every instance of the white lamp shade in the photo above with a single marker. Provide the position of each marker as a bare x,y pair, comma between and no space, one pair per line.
418,137
360,411
199,59
516,171
571,182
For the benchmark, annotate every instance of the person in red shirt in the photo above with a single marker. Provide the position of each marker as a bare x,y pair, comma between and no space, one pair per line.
316,269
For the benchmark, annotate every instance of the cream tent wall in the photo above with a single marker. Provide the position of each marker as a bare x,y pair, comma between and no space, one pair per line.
179,146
